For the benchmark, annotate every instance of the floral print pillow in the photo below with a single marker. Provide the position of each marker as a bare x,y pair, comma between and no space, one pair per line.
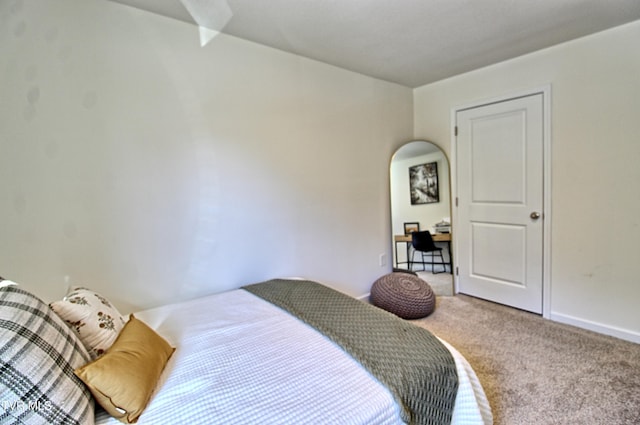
96,321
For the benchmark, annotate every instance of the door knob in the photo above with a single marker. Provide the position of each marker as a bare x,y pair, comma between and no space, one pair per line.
535,215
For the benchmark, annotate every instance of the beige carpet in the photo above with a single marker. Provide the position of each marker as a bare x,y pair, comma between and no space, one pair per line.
441,283
535,371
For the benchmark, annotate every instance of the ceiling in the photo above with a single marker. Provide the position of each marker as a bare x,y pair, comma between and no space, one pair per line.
413,149
409,42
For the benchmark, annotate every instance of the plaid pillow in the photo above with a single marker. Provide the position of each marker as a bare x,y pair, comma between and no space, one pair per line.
38,355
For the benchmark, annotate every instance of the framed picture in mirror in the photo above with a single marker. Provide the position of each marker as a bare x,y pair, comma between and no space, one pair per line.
411,227
423,183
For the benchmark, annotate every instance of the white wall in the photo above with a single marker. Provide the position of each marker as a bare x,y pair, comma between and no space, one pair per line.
595,110
137,163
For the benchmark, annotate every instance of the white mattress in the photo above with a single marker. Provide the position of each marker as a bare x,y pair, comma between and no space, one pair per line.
241,360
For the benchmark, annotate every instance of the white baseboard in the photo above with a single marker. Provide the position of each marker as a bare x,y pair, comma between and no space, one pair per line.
364,297
597,327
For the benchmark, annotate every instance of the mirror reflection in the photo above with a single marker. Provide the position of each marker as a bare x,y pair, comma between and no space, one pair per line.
420,202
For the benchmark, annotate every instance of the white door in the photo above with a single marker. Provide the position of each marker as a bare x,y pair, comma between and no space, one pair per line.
500,201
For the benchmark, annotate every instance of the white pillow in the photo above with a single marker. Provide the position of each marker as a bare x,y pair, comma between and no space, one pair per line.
5,282
96,321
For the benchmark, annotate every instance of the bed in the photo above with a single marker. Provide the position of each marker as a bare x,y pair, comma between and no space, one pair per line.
265,354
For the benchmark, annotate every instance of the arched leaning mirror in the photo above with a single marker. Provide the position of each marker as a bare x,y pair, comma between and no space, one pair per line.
420,201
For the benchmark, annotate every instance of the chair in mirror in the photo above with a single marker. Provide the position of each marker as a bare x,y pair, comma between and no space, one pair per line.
420,201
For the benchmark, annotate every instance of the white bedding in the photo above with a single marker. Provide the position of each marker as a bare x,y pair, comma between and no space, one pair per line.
241,360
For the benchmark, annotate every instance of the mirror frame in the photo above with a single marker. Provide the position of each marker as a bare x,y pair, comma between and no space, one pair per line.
397,229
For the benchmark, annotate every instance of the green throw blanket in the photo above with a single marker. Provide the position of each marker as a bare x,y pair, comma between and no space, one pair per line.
409,360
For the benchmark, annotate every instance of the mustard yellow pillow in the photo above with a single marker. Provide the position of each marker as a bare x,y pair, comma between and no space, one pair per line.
124,378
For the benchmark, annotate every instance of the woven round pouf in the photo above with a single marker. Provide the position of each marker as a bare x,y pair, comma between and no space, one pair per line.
404,295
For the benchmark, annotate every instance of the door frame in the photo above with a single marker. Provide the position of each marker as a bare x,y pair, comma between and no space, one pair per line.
546,210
